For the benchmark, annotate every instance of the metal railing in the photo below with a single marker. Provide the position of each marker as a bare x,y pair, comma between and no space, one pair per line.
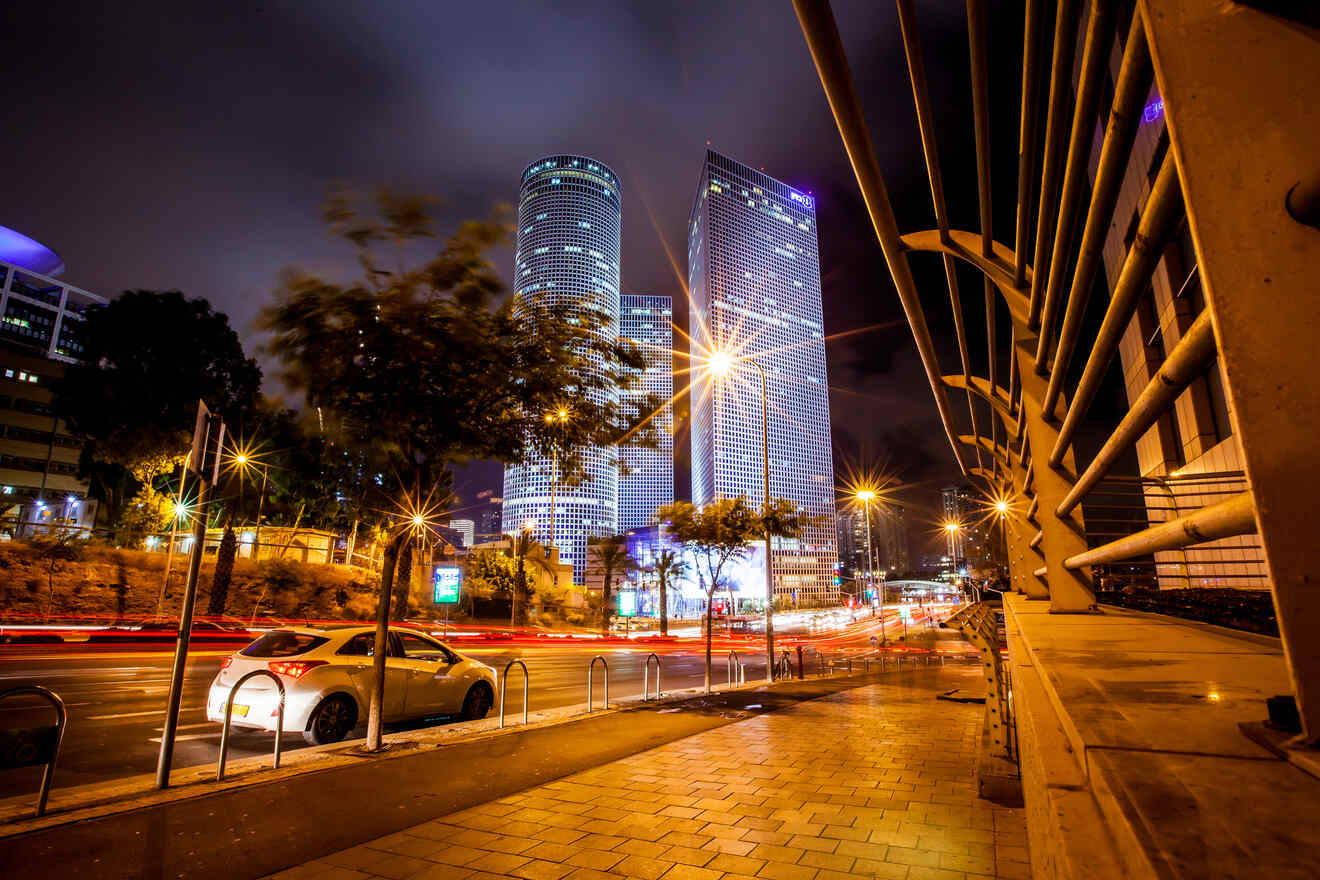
28,747
591,668
229,711
734,665
646,677
504,682
1254,292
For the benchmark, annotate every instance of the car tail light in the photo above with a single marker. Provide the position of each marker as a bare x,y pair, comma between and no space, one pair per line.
294,669
227,662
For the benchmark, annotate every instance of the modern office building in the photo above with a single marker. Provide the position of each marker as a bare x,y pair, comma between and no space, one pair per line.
568,246
466,529
754,279
40,332
488,513
647,480
891,539
956,505
1191,457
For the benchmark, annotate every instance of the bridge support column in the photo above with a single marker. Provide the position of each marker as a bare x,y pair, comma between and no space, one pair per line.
1070,592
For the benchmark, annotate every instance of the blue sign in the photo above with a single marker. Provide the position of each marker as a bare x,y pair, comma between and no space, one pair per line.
446,582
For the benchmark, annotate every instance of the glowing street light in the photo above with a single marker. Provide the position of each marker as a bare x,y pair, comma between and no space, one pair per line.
1002,507
866,496
720,364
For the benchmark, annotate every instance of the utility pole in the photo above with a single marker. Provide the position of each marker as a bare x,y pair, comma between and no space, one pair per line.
204,460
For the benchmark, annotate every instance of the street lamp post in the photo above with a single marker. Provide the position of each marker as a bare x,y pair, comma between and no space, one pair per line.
952,529
866,496
720,364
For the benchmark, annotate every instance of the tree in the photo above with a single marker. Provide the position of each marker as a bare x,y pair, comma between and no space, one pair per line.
525,551
224,572
416,369
610,553
55,551
148,357
719,533
668,566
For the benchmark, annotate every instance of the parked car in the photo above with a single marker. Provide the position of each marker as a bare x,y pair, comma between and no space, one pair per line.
327,676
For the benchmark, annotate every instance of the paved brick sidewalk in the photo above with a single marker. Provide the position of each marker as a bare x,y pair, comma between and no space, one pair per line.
874,782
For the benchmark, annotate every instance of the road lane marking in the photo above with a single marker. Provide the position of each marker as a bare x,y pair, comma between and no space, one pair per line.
188,736
125,715
38,706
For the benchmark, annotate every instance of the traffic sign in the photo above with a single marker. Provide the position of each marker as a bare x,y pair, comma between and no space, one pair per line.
446,583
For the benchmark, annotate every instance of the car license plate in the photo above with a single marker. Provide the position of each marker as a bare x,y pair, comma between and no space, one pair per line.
240,711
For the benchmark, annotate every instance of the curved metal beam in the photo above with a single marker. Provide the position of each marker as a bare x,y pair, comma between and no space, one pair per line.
967,246
998,398
985,444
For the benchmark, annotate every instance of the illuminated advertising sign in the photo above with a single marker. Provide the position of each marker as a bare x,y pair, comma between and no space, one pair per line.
446,582
800,199
628,603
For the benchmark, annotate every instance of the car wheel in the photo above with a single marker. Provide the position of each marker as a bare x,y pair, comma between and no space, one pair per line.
478,701
331,720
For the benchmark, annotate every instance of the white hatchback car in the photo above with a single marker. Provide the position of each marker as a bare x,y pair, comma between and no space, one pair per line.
327,675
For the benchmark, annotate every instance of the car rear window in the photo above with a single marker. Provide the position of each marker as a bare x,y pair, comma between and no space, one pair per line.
283,644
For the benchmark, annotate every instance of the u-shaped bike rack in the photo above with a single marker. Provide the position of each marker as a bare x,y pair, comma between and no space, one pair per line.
229,711
785,665
590,670
504,683
29,754
646,677
733,663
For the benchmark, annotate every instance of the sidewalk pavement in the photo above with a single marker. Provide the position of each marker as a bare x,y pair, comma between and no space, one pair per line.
873,782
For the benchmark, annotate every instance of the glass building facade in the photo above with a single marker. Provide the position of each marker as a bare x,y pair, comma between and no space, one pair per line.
569,223
648,478
754,278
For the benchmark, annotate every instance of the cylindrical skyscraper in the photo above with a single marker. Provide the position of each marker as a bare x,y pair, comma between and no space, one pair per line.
569,224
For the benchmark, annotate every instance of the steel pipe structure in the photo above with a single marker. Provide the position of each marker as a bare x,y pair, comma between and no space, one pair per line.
1047,279
1236,516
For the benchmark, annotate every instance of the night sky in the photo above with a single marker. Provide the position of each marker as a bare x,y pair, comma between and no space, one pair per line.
191,146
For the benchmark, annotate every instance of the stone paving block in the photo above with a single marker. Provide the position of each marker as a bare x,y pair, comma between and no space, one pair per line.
599,860
733,864
690,872
643,867
538,869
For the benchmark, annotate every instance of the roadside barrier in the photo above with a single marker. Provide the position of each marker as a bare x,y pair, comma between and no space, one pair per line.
30,746
229,711
590,670
504,683
734,664
646,677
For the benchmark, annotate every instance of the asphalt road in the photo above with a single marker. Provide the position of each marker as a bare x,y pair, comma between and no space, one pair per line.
116,701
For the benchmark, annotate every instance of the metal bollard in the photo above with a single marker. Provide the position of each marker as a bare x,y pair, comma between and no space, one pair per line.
646,677
229,711
731,663
590,670
504,683
51,750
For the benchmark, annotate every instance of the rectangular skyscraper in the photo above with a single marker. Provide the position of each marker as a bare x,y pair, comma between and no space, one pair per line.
649,482
754,277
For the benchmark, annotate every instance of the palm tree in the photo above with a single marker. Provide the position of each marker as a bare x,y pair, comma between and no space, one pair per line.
526,551
668,566
611,554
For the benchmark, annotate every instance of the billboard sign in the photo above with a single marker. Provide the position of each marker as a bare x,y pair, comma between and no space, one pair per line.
628,603
446,582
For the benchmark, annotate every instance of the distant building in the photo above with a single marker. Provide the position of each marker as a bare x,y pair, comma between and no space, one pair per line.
891,538
40,333
956,505
466,529
487,512
648,480
754,281
569,241
1191,455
